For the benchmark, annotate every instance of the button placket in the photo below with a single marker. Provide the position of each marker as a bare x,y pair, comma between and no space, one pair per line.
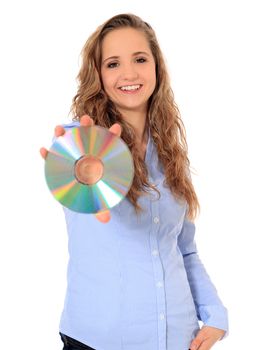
158,276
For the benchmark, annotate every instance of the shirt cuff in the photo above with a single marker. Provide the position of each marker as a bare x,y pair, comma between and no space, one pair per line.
215,316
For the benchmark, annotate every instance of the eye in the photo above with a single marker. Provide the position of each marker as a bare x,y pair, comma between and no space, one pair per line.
141,60
112,65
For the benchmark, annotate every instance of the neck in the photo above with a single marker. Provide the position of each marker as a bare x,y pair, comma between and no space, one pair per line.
138,120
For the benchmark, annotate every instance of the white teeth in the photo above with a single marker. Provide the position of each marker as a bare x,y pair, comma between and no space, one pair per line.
130,87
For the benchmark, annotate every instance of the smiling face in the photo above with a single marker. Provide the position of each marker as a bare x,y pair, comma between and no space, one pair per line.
128,69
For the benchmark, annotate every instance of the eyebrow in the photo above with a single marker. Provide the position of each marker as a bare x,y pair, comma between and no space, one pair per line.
134,54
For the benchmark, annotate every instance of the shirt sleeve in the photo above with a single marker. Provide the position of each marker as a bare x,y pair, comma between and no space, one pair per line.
210,309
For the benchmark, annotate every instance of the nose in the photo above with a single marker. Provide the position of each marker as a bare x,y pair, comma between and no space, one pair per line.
129,72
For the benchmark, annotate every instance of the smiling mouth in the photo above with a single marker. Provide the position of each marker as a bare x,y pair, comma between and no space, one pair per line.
130,87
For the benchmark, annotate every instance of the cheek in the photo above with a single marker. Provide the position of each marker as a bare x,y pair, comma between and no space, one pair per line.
152,76
106,80
152,81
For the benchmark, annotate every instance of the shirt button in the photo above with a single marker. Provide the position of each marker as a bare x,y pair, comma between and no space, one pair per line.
155,252
159,284
162,316
156,220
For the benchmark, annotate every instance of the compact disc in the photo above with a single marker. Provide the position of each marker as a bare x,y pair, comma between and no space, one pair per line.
89,169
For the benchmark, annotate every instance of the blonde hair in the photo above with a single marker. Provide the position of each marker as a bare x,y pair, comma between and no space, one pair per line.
163,117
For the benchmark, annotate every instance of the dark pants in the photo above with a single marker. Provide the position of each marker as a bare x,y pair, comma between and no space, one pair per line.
73,344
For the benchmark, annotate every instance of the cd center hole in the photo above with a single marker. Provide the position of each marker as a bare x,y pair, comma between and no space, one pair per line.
88,170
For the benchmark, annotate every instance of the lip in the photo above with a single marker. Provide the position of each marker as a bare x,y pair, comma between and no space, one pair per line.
130,92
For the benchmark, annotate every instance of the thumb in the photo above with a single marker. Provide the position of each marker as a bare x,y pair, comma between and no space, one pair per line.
103,216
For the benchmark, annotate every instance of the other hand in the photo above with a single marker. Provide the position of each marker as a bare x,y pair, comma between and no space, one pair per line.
206,338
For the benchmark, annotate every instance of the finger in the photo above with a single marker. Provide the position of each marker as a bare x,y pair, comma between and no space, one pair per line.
104,216
59,130
116,129
195,344
86,120
206,345
43,152
197,341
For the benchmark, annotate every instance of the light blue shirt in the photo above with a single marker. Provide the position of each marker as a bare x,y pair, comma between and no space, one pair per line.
137,282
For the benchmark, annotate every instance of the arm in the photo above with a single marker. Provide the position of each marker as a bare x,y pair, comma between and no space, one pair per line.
209,307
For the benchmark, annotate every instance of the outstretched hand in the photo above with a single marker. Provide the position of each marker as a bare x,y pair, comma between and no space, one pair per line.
102,216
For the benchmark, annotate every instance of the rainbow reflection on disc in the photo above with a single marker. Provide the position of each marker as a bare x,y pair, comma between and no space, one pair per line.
106,148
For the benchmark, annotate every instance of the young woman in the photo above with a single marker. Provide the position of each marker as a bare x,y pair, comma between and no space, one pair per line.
135,280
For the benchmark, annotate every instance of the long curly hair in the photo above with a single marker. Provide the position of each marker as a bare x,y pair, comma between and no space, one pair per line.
163,116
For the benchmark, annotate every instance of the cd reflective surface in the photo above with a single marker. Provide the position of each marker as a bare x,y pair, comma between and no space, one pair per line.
89,169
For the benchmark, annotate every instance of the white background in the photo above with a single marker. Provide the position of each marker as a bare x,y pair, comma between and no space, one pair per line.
219,55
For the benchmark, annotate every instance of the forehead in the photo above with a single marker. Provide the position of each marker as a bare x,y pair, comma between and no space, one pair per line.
123,41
